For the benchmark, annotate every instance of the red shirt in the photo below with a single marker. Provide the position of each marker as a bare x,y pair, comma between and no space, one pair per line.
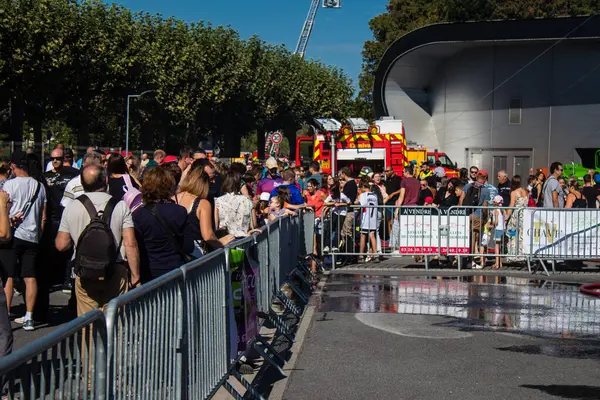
316,200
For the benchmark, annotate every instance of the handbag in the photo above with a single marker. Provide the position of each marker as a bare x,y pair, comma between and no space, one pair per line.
132,196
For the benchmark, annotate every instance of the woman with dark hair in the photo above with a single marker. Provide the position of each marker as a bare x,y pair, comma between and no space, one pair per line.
519,199
464,175
161,226
338,202
538,189
574,198
118,178
233,210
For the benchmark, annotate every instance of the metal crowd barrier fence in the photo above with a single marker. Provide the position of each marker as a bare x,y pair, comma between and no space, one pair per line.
69,363
146,340
172,337
509,234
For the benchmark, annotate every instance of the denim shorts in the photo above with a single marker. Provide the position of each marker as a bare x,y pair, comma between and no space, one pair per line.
498,235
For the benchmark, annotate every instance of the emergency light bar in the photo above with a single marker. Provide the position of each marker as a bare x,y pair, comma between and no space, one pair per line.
328,124
357,124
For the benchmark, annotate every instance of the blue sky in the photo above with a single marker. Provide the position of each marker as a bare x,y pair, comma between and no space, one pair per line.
337,37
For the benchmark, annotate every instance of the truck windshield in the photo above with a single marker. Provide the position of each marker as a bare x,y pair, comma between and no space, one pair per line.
306,151
446,161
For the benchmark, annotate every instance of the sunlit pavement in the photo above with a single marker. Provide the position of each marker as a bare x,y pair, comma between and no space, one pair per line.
419,337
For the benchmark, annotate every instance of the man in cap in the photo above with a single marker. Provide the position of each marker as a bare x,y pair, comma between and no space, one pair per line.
271,179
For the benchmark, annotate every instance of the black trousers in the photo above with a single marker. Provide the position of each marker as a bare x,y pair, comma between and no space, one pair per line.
6,335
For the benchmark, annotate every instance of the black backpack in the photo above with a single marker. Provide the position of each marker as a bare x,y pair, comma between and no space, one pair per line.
96,252
472,197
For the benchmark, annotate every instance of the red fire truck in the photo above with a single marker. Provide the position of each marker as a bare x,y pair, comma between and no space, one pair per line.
357,144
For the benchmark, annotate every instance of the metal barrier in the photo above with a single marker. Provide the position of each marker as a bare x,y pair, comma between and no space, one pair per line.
508,234
69,363
171,337
146,340
206,311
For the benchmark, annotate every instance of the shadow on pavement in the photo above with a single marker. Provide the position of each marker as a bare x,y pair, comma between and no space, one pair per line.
581,350
267,375
568,391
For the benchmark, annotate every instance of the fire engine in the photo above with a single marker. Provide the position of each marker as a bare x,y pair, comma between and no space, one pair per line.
420,154
357,144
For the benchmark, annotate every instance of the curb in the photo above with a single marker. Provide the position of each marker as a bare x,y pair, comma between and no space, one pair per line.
280,387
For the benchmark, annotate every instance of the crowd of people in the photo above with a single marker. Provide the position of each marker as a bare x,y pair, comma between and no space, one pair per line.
107,222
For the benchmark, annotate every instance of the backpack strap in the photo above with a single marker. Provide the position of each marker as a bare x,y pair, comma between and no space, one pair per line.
89,206
30,202
108,210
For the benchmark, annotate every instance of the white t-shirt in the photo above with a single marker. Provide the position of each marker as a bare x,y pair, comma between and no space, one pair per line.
21,191
368,219
75,218
72,191
343,199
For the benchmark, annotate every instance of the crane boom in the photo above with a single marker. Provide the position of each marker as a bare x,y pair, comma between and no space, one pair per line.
307,28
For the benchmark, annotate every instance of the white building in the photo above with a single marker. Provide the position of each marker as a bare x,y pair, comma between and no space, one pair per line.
514,95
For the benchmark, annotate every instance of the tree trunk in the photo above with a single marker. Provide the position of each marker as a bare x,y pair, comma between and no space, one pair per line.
261,143
16,120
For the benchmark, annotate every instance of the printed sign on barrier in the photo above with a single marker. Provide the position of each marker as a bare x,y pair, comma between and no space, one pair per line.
421,228
561,233
244,271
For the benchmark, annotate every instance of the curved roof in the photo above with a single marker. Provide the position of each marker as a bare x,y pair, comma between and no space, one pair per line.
426,46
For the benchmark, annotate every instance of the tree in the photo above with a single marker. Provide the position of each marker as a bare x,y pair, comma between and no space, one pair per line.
73,63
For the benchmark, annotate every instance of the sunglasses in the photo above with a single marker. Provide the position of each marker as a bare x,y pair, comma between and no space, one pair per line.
474,172
57,158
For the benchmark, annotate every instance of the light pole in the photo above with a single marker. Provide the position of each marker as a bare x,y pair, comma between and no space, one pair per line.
129,97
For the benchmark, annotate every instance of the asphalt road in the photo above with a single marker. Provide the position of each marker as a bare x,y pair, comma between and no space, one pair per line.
58,316
357,354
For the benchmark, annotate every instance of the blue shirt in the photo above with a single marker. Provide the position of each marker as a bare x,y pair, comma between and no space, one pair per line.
295,195
484,195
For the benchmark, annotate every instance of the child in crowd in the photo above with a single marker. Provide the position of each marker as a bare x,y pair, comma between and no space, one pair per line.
260,212
277,209
368,220
497,223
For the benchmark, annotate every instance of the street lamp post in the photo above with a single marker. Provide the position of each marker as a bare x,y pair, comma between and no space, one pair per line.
129,97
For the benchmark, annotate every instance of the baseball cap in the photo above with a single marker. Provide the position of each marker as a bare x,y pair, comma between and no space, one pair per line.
170,159
498,199
482,173
271,163
18,157
265,196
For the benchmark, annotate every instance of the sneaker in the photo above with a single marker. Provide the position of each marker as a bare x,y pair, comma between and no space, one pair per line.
67,287
326,249
474,265
20,320
28,325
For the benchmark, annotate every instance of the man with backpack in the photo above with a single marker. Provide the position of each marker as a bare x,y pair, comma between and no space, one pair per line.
477,195
102,232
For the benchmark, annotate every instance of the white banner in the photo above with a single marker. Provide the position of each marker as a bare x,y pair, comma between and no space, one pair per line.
423,230
572,233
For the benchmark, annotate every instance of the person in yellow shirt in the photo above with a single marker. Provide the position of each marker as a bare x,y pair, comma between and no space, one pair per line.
426,171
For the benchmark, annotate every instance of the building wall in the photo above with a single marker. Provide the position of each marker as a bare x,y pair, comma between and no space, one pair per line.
471,92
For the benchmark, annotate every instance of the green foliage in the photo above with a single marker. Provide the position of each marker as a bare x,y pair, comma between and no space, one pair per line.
403,16
74,63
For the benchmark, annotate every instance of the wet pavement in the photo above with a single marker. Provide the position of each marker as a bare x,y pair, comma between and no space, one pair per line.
535,307
467,337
